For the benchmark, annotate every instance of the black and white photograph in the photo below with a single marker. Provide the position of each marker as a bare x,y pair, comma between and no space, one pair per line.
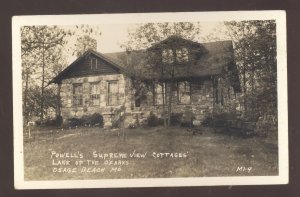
150,100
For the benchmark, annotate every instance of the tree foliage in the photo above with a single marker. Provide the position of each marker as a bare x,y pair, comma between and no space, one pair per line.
144,36
43,57
255,51
85,37
41,49
84,43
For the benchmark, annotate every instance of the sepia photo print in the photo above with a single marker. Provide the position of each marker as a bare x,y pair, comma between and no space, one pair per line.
148,100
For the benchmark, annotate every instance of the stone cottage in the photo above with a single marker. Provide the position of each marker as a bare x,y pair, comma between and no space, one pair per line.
202,77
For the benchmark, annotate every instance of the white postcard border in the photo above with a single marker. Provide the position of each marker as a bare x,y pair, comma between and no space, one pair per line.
278,15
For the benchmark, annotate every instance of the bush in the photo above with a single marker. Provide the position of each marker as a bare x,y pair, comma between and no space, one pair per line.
58,120
153,120
207,121
50,122
218,120
75,122
97,120
88,120
176,118
265,126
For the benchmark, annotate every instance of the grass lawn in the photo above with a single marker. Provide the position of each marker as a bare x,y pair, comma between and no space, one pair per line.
208,154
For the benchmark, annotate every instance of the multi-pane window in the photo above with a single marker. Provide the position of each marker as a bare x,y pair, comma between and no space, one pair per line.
77,95
94,63
159,94
113,93
182,55
184,92
219,95
94,93
167,56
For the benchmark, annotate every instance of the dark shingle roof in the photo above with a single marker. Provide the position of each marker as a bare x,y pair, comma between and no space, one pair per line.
64,73
216,58
218,54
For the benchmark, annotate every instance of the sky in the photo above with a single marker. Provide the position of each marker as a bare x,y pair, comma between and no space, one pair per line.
113,35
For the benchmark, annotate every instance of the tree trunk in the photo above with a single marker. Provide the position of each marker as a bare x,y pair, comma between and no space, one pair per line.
164,109
43,82
58,104
170,93
244,87
171,87
26,98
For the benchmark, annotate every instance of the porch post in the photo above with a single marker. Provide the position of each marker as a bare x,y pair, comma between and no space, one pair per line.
58,100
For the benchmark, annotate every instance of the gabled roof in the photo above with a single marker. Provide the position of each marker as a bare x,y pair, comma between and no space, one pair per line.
63,73
218,54
174,39
216,59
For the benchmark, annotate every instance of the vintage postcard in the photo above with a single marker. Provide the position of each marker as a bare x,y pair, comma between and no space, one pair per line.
150,100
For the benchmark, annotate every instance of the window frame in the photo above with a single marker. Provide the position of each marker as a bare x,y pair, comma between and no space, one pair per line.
163,93
108,103
179,102
94,63
168,58
184,55
76,95
97,95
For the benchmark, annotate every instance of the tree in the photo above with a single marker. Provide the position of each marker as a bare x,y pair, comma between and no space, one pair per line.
255,51
41,48
85,37
84,43
143,37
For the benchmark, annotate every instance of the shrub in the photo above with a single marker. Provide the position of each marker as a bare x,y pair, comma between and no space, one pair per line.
85,120
132,126
58,120
176,118
38,122
95,119
73,122
265,126
218,119
135,123
207,121
153,120
50,122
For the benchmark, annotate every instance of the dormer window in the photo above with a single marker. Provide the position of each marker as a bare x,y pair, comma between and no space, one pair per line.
167,56
182,55
94,64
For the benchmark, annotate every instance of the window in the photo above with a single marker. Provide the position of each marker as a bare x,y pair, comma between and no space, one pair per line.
184,92
159,94
137,102
219,95
182,55
77,95
137,99
167,56
94,93
113,93
94,63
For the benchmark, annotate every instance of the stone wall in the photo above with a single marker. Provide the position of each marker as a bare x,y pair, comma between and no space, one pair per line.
228,100
68,110
201,102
